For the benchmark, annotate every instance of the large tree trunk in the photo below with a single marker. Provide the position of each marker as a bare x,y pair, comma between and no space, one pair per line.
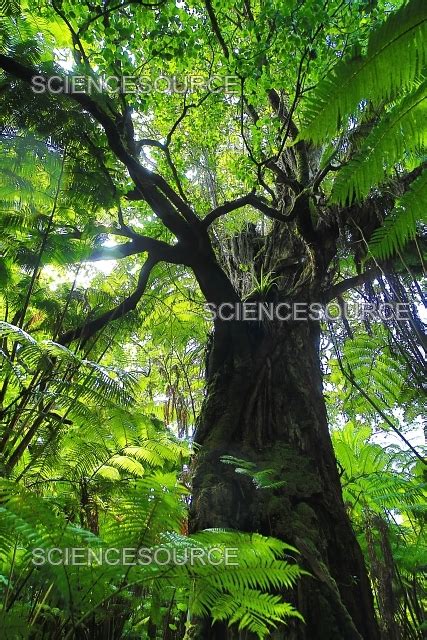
265,404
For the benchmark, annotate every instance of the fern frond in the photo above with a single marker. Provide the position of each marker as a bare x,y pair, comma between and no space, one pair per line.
395,57
376,369
254,611
402,131
262,478
400,225
127,464
369,480
238,593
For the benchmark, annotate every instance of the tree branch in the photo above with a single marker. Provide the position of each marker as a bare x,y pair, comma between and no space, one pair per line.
216,29
250,199
284,178
349,375
74,36
106,12
88,329
153,188
279,108
351,283
290,127
159,250
148,142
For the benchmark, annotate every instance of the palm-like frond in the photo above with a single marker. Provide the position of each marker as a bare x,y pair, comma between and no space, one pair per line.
238,594
395,57
401,132
92,383
376,369
401,224
369,479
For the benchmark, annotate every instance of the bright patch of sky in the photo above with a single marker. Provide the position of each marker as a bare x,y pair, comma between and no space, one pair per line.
84,277
64,58
85,273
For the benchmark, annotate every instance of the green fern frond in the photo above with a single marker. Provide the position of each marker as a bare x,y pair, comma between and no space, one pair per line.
395,57
262,478
402,131
256,612
400,225
127,464
369,479
238,593
371,362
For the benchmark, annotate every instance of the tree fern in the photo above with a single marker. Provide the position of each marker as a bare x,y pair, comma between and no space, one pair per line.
256,612
232,594
376,369
369,479
94,382
394,62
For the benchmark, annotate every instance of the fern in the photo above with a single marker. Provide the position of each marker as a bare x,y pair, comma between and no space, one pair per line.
394,62
369,480
262,478
394,59
238,594
257,612
232,594
384,374
401,224
402,131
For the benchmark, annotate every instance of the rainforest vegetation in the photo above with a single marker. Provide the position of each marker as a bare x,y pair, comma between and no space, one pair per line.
170,468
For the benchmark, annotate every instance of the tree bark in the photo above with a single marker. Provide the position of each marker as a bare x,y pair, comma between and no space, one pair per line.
265,404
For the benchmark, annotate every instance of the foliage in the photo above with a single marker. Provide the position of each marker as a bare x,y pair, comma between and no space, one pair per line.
121,212
385,492
362,100
102,476
262,478
401,224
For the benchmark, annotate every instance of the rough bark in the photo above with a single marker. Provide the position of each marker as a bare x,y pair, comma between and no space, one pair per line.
265,403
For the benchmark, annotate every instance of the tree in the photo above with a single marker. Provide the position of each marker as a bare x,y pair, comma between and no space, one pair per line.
303,200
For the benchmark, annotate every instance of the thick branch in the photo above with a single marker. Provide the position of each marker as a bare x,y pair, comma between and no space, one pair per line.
351,283
250,199
148,142
89,329
99,229
159,250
